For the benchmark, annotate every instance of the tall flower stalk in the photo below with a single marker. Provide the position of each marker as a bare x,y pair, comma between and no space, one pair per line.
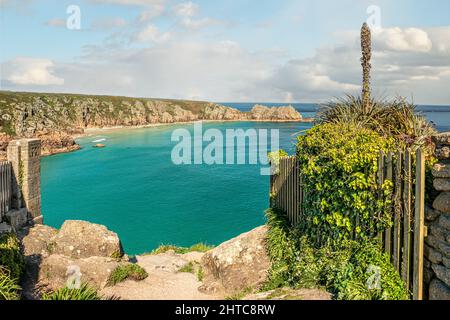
366,48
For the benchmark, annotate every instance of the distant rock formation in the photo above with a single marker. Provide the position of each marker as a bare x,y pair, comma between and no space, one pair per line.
56,118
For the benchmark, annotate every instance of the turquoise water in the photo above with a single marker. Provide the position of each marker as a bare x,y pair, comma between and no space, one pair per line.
132,187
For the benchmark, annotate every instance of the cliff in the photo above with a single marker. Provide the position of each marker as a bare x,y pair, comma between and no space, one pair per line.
55,118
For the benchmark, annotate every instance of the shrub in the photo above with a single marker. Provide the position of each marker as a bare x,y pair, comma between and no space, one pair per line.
199,247
10,256
128,271
339,165
187,268
394,118
344,271
9,289
85,292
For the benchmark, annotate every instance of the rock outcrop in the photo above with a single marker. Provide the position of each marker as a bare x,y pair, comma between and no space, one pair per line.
237,264
56,118
81,249
80,239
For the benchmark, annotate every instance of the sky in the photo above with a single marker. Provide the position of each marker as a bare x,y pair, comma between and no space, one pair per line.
225,50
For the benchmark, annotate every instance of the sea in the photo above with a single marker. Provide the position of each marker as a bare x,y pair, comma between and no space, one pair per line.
133,186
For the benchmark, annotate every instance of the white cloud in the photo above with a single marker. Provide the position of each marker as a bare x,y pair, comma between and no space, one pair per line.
186,9
397,39
30,71
187,13
224,71
152,34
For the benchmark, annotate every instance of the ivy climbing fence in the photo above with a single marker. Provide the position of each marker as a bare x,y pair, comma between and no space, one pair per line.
404,241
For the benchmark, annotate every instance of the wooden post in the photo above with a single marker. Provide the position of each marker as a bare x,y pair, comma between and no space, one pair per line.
406,259
380,184
419,226
388,232
398,211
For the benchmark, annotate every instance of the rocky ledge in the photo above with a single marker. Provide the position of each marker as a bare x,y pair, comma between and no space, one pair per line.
235,269
58,118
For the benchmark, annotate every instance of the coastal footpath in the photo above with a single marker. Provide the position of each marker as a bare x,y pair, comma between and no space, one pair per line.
57,119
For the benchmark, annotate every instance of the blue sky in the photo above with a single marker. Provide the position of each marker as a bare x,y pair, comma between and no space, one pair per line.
225,50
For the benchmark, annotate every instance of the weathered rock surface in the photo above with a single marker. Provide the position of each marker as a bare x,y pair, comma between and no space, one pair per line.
442,202
442,184
80,239
442,273
431,214
439,291
36,240
237,264
56,271
441,170
51,256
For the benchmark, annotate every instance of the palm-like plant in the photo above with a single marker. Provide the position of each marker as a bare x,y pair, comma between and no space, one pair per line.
366,48
395,118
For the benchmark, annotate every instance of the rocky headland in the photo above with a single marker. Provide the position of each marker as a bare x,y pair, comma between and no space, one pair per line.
57,119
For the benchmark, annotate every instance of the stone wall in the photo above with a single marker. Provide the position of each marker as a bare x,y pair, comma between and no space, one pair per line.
24,155
437,243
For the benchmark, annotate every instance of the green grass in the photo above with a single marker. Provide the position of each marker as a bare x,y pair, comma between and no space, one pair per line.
199,247
240,295
187,268
200,274
125,272
85,292
10,256
9,288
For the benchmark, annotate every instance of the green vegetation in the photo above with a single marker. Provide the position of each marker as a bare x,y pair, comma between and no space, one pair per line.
9,288
200,247
240,295
10,256
85,292
200,274
394,118
347,271
129,271
11,267
339,166
187,268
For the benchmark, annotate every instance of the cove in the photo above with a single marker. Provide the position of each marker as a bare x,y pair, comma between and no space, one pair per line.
133,188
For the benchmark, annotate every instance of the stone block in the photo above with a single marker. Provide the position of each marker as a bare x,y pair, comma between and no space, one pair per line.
444,222
442,202
431,214
5,228
442,153
441,170
446,262
438,232
442,184
432,241
17,218
442,273
433,255
439,291
38,220
444,248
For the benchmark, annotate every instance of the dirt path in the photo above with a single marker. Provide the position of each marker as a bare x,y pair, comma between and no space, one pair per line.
164,281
